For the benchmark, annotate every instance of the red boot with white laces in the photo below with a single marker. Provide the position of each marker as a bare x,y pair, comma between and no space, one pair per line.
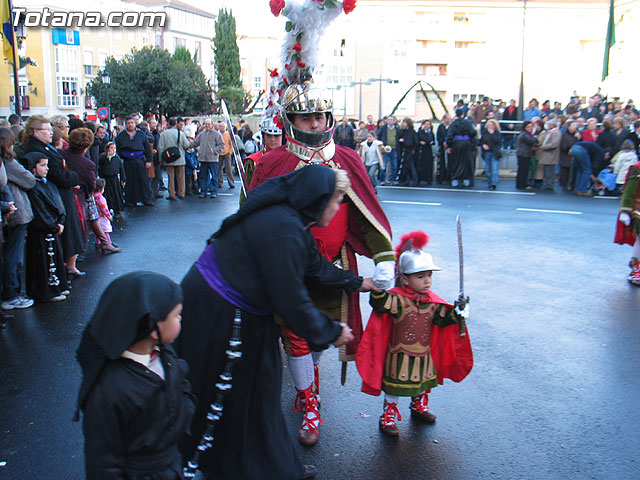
420,408
634,276
307,402
388,419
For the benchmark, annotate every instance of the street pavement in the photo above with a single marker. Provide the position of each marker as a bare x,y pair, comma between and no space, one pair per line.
554,325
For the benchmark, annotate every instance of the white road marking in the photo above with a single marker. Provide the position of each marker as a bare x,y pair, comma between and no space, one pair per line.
606,198
457,190
226,194
411,203
548,211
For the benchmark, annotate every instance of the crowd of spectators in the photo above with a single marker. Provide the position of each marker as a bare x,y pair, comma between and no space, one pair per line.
62,179
574,146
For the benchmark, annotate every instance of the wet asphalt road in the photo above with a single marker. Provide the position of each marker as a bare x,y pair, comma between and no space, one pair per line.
554,325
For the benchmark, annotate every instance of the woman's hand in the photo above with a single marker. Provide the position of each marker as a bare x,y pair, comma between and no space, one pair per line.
345,337
367,285
485,147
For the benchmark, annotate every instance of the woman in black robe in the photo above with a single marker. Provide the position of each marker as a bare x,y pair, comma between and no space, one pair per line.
45,267
244,267
111,169
426,139
459,139
408,148
134,149
39,134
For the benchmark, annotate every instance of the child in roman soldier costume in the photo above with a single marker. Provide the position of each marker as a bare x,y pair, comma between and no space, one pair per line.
304,112
414,339
628,227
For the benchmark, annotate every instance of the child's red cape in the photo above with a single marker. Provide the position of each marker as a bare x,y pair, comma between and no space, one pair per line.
452,355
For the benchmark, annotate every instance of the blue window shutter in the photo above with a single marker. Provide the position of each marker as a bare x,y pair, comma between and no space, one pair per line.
55,35
76,37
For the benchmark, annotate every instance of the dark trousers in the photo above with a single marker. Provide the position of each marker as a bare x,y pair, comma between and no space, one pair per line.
522,174
14,260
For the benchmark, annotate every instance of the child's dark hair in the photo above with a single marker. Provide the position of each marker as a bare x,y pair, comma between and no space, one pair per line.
100,183
6,143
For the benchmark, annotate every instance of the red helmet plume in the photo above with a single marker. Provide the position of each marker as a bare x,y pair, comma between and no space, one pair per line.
413,240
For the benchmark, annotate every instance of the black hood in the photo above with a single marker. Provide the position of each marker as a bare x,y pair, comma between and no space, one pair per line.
307,190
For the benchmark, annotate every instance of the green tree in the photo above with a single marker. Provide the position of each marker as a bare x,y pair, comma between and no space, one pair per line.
226,51
151,80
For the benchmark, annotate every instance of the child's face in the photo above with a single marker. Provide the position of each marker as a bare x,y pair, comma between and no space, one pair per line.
419,282
170,326
42,168
111,150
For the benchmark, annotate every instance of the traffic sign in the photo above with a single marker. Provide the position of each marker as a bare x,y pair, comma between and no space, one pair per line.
103,113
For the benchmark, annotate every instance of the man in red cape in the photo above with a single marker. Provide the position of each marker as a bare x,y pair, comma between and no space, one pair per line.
360,226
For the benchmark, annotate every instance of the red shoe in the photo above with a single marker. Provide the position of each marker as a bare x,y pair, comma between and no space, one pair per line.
307,402
388,419
420,408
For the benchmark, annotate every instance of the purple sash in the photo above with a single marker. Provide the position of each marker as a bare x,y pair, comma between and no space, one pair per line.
131,154
207,265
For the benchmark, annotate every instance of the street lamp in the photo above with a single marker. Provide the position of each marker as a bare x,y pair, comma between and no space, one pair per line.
388,80
106,79
360,101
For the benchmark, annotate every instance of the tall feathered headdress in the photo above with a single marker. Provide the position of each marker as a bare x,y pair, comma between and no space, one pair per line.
307,21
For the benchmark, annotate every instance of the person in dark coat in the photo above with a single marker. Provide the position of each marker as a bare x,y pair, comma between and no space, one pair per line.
134,149
443,175
459,139
111,169
45,265
426,140
570,135
136,401
407,151
524,150
589,159
243,268
620,134
80,140
344,134
39,136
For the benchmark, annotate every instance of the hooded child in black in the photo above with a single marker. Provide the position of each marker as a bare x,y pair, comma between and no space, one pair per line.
136,401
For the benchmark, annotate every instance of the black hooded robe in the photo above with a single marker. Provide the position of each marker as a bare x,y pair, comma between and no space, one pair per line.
459,137
112,171
265,252
48,212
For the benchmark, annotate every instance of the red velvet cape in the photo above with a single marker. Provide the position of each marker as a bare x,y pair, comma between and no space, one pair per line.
280,162
451,354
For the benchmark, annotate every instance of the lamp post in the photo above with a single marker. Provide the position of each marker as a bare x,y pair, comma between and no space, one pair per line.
388,80
353,84
106,79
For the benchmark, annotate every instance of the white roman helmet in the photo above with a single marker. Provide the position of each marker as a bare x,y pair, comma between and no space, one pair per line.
268,126
411,257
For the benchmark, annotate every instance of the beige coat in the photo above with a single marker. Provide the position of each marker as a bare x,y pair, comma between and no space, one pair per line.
548,152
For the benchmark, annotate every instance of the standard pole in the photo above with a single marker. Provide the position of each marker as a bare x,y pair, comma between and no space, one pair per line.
521,94
360,103
380,99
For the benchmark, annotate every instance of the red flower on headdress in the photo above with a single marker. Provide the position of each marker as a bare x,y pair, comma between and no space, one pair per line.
287,66
279,92
278,121
301,64
348,5
276,6
274,72
297,47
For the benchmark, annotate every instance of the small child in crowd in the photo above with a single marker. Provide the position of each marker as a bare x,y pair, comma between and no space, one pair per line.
622,161
104,218
136,400
45,266
413,340
191,170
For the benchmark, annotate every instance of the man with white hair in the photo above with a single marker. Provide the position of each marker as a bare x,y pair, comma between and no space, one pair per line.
548,153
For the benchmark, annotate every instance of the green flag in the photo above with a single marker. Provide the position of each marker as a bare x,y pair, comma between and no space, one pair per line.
609,42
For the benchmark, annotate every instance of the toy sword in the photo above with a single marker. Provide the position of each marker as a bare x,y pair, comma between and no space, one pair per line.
462,300
236,152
